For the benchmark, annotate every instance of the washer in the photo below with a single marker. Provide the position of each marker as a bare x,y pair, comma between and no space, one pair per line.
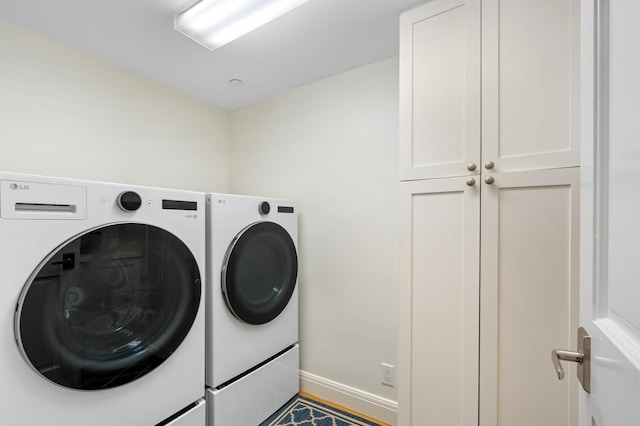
101,303
252,311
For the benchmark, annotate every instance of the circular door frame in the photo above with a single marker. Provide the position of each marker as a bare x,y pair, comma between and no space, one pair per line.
287,247
187,314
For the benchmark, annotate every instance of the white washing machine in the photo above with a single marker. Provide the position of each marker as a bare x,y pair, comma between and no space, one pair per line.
252,364
101,304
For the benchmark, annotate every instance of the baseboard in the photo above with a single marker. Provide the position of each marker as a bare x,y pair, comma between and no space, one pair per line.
371,405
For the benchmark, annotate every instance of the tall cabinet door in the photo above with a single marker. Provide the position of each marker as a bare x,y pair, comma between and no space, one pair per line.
530,84
529,297
439,302
440,90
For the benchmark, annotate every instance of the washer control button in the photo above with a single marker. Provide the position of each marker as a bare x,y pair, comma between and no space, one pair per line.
129,201
264,208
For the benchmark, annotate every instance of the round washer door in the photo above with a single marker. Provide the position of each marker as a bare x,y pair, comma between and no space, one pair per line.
259,272
109,306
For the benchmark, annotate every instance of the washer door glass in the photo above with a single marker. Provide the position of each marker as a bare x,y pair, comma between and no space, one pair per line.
109,306
260,272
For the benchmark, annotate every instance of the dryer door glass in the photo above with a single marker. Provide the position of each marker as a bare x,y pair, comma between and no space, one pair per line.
260,272
109,306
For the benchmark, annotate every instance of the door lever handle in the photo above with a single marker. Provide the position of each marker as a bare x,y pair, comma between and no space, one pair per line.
558,355
582,357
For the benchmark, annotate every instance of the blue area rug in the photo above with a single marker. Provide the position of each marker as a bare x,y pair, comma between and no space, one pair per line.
301,411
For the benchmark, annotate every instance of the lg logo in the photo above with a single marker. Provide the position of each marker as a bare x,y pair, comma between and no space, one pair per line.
19,186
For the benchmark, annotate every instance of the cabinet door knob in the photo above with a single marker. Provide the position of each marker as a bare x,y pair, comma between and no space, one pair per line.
471,182
489,180
471,166
489,165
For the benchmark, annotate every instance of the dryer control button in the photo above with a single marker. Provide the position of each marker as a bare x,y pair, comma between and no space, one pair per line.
129,201
264,208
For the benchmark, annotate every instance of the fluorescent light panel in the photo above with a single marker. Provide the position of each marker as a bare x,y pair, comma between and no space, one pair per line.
214,23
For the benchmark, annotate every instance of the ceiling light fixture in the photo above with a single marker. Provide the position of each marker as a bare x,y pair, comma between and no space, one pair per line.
214,23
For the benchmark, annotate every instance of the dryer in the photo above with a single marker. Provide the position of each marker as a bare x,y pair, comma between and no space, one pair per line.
252,366
101,304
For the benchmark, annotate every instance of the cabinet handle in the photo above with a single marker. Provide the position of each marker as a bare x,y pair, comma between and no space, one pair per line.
489,180
471,182
489,165
471,166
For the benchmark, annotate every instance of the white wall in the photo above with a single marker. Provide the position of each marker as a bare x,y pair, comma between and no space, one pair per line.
65,113
332,146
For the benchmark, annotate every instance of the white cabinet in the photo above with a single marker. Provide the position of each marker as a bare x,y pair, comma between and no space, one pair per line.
494,82
439,301
440,89
529,296
488,287
530,84
488,283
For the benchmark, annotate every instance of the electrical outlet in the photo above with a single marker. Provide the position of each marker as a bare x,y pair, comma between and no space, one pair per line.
388,375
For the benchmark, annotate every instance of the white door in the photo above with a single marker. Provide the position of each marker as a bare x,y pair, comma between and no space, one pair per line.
440,90
610,291
529,285
439,253
530,64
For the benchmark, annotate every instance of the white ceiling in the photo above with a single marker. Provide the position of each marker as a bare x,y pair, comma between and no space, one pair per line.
318,39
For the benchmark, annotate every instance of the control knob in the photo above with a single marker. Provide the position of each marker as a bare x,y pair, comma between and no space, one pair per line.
129,201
